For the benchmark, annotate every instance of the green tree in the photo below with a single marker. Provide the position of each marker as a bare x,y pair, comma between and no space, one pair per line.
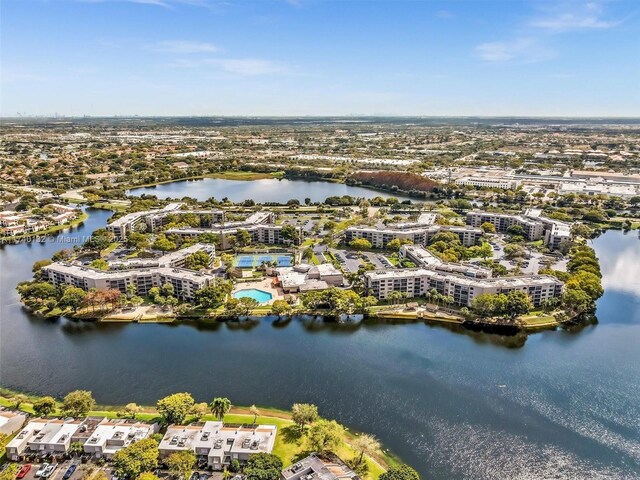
78,403
220,406
360,244
175,408
214,295
303,414
76,448
164,244
199,410
263,466
181,463
130,410
400,472
289,232
99,264
139,457
325,436
10,471
280,307
44,406
167,289
147,476
198,260
73,297
243,238
39,264
488,227
518,303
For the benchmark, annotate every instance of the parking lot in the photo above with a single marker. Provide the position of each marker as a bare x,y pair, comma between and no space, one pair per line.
59,472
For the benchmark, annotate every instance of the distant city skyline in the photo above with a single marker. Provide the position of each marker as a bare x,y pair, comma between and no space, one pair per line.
320,58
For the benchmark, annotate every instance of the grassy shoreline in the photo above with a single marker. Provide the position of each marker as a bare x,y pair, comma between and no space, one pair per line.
289,443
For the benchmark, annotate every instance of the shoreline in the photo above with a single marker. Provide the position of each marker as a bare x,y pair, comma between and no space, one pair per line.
148,413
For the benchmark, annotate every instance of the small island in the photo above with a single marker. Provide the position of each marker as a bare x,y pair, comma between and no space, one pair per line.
345,259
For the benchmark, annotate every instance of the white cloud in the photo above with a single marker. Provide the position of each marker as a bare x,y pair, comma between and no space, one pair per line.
184,46
572,17
525,50
238,66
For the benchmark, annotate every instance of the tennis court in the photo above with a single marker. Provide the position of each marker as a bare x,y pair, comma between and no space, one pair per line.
255,260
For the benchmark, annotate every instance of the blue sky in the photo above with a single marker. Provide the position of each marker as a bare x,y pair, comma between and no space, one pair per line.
320,57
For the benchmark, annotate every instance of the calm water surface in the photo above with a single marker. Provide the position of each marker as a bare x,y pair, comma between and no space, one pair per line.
562,405
261,191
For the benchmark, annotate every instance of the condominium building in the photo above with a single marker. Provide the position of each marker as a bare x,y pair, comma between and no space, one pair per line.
153,219
185,282
217,444
259,225
422,257
554,233
165,269
415,282
488,182
419,235
532,229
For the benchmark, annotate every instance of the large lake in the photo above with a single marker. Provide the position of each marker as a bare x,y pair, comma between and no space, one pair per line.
562,405
261,191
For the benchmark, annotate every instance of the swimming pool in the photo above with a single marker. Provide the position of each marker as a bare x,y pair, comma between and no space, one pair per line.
259,295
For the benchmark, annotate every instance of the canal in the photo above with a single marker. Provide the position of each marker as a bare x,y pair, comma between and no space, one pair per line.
562,404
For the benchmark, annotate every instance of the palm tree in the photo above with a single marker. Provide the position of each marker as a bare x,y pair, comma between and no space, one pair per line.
254,410
220,406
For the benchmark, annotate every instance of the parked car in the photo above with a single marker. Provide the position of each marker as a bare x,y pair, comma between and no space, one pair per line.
69,472
194,476
49,470
41,470
23,471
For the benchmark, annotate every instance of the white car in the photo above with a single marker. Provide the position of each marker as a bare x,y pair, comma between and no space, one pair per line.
41,470
50,469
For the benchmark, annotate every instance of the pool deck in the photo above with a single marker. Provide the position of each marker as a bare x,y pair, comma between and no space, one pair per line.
265,285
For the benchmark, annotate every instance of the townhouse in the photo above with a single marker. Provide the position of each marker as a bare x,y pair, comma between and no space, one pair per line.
11,422
110,436
41,436
216,444
315,467
425,259
100,437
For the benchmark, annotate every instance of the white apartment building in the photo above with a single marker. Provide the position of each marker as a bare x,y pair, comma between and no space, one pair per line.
110,436
218,444
554,233
419,235
488,182
416,282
